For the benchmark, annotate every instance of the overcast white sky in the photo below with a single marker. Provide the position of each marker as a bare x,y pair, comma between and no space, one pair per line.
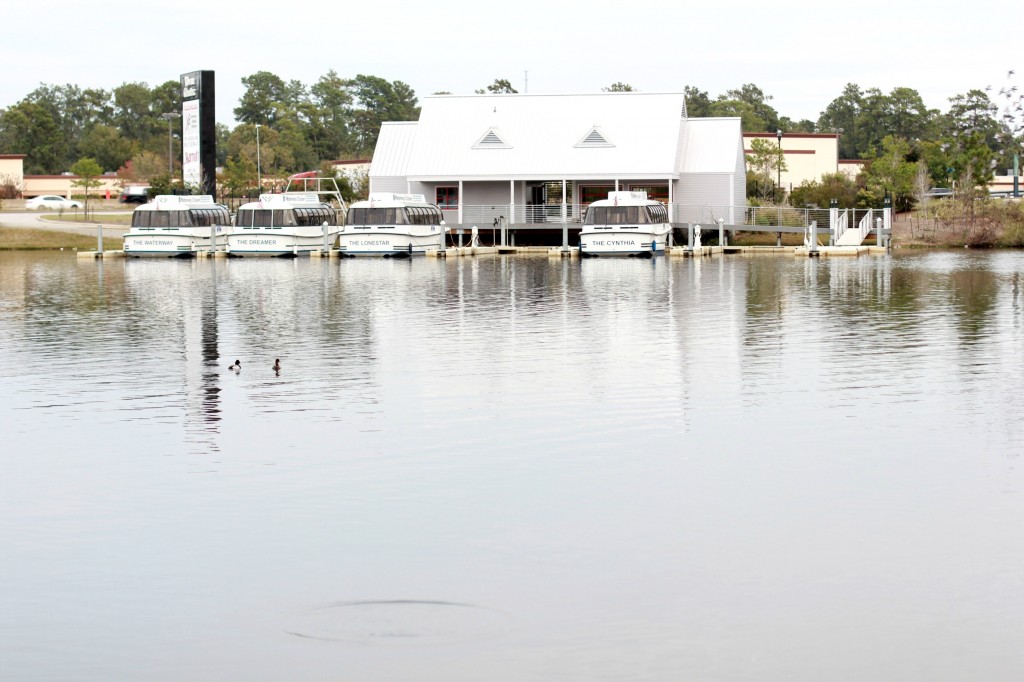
801,53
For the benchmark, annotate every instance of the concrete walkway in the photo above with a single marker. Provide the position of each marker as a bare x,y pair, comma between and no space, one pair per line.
35,221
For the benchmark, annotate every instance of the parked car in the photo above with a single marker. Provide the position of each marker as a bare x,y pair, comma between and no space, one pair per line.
52,201
135,194
938,193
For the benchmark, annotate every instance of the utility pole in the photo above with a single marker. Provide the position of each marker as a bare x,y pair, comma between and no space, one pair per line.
169,116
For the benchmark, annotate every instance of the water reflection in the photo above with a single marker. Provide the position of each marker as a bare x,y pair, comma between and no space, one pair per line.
511,468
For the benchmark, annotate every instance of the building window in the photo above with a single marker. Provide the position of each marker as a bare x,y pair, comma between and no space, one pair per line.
447,197
656,192
591,193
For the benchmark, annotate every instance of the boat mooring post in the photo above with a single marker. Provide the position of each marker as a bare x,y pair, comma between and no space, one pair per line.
213,237
878,232
444,235
99,239
689,237
721,232
812,247
326,247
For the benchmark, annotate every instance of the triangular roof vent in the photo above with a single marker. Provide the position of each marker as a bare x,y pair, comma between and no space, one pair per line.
595,138
491,140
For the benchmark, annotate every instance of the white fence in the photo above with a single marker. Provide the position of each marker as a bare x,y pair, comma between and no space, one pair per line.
552,216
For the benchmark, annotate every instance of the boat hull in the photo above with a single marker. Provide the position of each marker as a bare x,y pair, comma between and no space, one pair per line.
164,243
623,242
276,243
380,243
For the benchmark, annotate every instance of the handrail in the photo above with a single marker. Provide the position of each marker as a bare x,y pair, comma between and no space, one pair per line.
552,216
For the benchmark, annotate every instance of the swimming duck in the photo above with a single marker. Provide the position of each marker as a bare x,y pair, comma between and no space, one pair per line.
237,366
277,365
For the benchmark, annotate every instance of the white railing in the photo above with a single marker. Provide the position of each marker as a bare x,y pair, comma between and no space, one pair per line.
552,216
865,225
840,222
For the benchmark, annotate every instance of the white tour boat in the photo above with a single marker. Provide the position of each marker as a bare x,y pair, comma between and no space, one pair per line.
177,226
625,224
290,223
393,225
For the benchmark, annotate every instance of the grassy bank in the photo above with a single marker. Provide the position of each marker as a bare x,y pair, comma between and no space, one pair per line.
105,219
26,239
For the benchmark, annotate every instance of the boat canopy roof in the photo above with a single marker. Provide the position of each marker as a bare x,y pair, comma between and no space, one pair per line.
631,198
286,201
391,200
176,202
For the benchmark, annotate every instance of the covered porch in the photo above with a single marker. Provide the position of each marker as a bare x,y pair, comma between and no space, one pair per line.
529,203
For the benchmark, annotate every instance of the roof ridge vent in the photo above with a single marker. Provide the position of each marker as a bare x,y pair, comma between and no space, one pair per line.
491,140
594,138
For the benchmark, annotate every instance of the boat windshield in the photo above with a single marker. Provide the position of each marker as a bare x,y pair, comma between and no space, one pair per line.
204,217
408,215
265,217
626,215
162,219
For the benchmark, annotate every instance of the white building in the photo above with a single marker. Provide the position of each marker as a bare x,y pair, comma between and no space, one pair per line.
543,158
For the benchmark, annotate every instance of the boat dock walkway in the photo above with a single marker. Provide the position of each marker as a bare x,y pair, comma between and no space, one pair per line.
559,252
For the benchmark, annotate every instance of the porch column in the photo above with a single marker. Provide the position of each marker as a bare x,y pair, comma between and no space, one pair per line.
565,225
671,200
460,202
616,184
512,202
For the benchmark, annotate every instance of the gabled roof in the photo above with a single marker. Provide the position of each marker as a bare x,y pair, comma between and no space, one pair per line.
543,135
710,145
394,146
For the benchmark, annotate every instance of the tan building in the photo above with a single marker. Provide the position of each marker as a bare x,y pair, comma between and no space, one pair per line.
357,171
12,171
808,155
28,186
108,186
851,168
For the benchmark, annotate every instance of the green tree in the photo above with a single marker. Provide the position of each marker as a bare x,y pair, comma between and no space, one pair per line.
330,104
142,167
88,172
751,104
906,116
820,193
264,94
107,146
802,126
842,115
30,128
376,101
133,113
618,86
765,162
500,86
239,176
698,104
890,173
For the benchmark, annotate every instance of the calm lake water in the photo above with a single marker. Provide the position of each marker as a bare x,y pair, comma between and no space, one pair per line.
512,469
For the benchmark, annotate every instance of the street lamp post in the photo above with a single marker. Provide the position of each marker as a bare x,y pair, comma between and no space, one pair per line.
259,174
778,166
839,135
169,116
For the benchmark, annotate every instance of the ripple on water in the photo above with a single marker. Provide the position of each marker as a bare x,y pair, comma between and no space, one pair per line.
396,621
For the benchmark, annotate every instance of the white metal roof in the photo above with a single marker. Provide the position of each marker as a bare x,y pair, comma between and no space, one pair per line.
394,145
481,137
710,145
